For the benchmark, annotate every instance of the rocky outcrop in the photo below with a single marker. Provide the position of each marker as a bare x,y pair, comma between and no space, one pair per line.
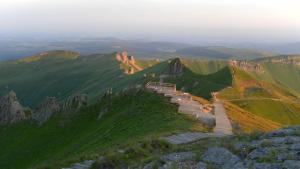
222,158
11,110
247,66
74,103
46,110
124,58
128,63
175,67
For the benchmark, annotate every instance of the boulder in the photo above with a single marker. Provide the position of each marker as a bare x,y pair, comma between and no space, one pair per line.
258,153
222,158
177,157
265,166
200,165
291,164
207,119
11,110
46,110
75,102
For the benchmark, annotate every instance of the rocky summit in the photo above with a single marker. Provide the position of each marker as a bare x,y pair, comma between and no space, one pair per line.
176,67
11,110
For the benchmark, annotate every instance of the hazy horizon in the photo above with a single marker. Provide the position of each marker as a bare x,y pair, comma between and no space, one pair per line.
271,21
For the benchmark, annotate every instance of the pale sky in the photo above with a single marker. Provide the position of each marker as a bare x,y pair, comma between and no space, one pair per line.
207,19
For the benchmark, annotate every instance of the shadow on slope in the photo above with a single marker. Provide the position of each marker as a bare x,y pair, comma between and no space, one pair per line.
202,85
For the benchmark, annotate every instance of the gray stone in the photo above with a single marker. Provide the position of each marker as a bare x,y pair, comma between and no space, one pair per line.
258,153
177,157
292,139
221,157
82,165
200,165
266,166
277,141
239,146
207,119
46,110
255,143
291,164
11,111
75,102
295,147
149,165
279,133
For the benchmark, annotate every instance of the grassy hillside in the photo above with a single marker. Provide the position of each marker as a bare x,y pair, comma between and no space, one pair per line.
247,122
286,75
253,93
202,85
204,67
126,119
55,74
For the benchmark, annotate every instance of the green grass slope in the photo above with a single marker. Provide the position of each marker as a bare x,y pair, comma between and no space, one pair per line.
129,117
201,77
285,75
58,75
204,67
202,85
258,94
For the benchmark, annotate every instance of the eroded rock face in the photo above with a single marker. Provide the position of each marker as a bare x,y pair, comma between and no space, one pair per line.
74,103
46,110
11,110
247,66
176,67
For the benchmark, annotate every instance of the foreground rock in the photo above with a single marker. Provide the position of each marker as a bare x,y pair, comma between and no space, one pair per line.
82,165
274,150
11,110
222,158
46,110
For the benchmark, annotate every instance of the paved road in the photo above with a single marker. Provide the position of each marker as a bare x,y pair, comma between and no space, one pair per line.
189,106
223,125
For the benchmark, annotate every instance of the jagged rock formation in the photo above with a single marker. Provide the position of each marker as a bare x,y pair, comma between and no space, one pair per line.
11,110
247,66
176,67
74,103
46,110
128,63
